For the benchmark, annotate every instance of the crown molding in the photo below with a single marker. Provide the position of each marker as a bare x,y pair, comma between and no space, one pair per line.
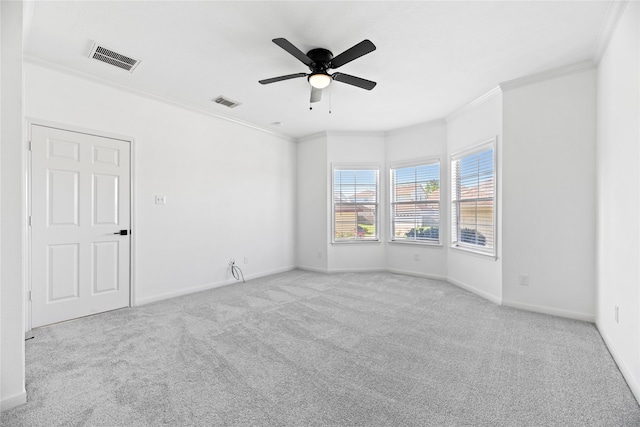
355,133
312,136
609,25
337,133
418,126
150,95
548,75
480,100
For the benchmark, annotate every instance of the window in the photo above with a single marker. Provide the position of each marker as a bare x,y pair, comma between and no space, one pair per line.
415,203
355,204
473,203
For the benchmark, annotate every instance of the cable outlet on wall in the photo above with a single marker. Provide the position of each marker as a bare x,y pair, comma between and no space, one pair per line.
416,257
161,200
319,254
523,280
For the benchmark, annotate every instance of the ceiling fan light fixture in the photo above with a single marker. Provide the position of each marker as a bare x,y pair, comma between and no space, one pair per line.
319,80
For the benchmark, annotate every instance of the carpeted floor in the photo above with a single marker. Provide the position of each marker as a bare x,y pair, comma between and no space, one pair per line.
301,348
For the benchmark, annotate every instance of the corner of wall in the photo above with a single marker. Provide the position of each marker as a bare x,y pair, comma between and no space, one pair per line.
475,290
618,194
627,373
13,401
12,200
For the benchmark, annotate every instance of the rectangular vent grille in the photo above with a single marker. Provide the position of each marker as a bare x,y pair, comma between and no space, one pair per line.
110,57
226,102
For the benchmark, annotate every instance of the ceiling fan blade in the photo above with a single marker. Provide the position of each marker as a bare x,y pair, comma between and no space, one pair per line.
286,45
316,94
279,79
353,80
352,53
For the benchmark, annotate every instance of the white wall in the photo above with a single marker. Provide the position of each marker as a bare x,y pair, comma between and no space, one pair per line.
348,147
316,155
312,236
12,390
548,203
425,141
478,123
618,194
230,189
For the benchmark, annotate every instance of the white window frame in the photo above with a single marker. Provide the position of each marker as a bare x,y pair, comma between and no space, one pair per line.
466,247
357,166
410,164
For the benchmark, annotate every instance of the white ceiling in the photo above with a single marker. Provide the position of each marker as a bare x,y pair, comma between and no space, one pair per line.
432,57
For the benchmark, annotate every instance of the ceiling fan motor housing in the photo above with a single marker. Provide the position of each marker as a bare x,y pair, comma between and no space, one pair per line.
321,60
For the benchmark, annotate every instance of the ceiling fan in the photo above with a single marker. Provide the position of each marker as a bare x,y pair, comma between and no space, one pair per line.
320,61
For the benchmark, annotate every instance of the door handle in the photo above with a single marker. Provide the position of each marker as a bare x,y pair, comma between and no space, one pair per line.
122,232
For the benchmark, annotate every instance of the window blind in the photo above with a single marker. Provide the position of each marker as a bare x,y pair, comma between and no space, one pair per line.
473,200
355,204
415,203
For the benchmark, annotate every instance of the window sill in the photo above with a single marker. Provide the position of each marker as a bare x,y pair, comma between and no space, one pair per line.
470,251
412,242
354,242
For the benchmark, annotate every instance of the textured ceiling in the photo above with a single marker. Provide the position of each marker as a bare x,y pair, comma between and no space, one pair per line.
431,57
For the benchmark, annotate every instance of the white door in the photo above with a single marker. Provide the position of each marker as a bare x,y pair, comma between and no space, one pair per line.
80,187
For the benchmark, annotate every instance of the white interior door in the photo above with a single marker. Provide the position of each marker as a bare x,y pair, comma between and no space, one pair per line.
80,191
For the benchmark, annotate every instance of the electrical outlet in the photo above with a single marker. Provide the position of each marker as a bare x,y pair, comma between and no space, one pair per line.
319,254
246,260
617,314
231,262
523,280
161,200
416,257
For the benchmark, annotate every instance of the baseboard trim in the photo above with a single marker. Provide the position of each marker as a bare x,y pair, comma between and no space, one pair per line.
622,366
417,274
313,269
494,299
207,286
180,292
13,401
550,311
356,270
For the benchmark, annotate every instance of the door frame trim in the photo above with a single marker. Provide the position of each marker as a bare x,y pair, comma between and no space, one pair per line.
27,173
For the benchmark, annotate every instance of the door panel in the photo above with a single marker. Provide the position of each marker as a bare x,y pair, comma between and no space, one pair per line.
62,198
105,199
80,200
105,267
62,272
63,149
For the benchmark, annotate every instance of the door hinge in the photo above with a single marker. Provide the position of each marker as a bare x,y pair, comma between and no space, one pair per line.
29,221
29,145
29,296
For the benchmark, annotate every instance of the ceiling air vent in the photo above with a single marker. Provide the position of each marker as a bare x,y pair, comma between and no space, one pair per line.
226,102
110,57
